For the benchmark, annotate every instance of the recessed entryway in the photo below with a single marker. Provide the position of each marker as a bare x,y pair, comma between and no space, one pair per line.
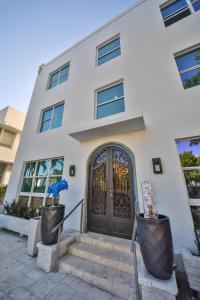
110,205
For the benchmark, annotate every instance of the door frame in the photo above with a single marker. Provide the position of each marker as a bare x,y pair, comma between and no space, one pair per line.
93,153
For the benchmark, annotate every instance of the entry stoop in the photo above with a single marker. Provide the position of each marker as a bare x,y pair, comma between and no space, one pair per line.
103,261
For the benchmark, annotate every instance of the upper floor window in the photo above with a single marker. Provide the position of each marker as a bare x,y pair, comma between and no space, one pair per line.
59,76
52,117
108,51
110,101
189,67
173,11
196,4
6,138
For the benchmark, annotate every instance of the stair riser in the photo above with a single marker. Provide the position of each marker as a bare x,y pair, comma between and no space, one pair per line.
120,290
103,244
120,266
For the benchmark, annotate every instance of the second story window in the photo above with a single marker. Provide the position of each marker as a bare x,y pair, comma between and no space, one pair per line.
52,117
173,11
108,51
59,76
188,65
6,138
196,4
110,101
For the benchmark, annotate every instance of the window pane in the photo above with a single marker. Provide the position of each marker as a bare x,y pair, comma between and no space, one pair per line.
173,8
47,114
54,80
192,179
45,126
56,122
189,152
108,47
54,179
178,17
196,5
188,60
43,168
29,169
56,166
64,74
196,216
26,185
110,108
7,138
40,184
191,78
58,110
23,201
36,202
110,93
109,56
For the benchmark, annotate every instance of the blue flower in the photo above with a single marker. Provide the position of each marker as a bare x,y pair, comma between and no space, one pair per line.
56,188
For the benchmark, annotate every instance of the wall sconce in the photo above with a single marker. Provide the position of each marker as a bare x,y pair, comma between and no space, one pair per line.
72,170
157,166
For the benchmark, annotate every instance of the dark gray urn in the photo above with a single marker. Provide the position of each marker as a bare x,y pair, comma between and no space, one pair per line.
51,216
155,238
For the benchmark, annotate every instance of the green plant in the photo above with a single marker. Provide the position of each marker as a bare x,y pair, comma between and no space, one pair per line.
2,192
197,241
16,210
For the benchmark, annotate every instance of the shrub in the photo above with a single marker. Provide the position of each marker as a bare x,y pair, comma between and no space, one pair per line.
2,192
16,210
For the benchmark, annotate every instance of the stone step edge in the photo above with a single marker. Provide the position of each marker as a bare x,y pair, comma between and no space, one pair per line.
121,290
104,244
102,260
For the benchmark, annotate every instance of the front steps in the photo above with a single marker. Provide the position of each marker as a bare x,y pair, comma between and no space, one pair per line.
103,261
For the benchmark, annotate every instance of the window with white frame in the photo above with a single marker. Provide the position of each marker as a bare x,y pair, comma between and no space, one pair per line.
59,76
189,152
108,50
188,64
173,11
6,138
37,177
52,117
110,101
196,4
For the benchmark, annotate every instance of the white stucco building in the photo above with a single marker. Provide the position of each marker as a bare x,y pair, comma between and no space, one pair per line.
108,105
11,125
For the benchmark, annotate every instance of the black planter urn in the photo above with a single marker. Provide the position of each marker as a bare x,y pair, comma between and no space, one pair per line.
51,216
155,238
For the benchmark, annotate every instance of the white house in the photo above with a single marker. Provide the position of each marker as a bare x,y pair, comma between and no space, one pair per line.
11,125
124,95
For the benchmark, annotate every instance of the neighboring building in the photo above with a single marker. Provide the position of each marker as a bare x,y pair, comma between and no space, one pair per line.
11,125
127,93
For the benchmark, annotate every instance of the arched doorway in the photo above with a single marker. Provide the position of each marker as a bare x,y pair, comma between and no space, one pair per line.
110,208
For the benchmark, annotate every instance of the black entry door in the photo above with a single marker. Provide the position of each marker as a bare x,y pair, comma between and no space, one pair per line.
110,193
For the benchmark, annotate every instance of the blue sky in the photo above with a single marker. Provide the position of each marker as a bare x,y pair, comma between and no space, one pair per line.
35,31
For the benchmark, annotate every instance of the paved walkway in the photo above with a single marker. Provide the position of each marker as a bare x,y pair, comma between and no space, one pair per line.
20,279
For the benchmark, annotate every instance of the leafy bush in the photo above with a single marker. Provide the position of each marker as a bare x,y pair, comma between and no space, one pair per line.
16,210
2,192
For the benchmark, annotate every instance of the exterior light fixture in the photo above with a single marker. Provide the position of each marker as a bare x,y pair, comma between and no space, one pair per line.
157,166
72,170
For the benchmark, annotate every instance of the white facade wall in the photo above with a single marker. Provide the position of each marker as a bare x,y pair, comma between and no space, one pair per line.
152,87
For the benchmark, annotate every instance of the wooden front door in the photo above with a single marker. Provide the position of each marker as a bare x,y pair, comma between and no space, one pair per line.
110,193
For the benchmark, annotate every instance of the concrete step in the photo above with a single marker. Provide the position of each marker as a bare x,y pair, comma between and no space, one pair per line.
111,258
116,282
107,242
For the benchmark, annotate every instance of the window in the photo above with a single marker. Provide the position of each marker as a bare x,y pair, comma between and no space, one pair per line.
108,51
189,67
59,76
110,101
2,170
6,138
173,11
52,117
189,152
38,176
196,4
